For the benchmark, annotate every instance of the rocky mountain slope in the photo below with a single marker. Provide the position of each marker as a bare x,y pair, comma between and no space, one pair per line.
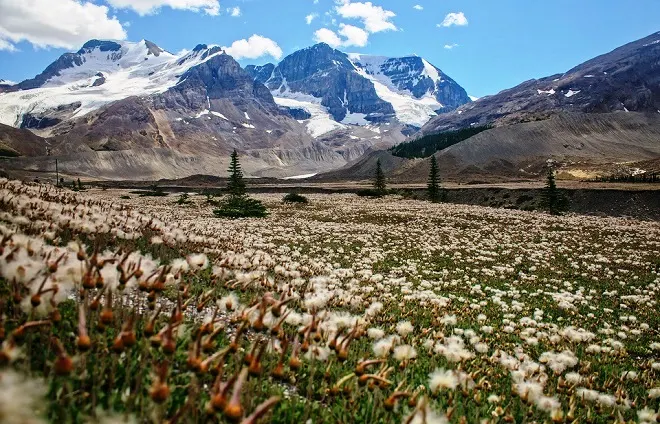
132,110
584,145
111,97
626,79
329,89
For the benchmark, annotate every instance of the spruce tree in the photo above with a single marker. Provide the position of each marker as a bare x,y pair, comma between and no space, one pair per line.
236,186
435,192
379,181
238,204
552,200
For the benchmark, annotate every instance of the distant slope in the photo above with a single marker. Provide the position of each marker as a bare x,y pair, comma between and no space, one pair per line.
18,142
521,150
628,78
364,168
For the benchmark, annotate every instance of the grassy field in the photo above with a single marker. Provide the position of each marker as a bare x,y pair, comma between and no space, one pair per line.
118,308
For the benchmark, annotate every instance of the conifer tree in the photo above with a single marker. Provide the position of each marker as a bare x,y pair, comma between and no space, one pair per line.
236,184
435,192
238,204
552,200
379,181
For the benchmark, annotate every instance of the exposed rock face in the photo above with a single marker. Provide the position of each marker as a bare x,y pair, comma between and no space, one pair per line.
19,142
49,118
627,78
260,73
221,77
417,76
328,74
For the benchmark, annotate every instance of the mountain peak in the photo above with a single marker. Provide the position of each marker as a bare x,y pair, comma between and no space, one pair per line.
102,45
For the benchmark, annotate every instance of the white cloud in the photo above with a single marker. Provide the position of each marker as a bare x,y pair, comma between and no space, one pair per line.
354,36
309,18
55,23
418,7
325,35
254,47
6,45
450,46
375,18
458,19
146,7
234,11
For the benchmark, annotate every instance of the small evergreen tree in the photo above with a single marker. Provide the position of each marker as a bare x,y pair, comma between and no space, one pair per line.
435,191
552,200
238,204
80,186
379,181
236,186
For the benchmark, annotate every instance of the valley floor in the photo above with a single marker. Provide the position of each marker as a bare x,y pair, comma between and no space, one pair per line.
398,311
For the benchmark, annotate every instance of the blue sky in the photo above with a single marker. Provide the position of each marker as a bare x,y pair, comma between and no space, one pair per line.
494,44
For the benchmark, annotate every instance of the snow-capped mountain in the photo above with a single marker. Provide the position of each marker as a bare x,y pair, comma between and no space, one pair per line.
316,110
122,109
100,73
330,89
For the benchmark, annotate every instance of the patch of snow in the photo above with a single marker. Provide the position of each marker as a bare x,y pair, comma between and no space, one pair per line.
247,116
321,121
355,119
460,112
652,43
248,126
571,93
300,177
548,92
269,131
219,115
408,109
474,98
625,109
130,71
588,76
637,171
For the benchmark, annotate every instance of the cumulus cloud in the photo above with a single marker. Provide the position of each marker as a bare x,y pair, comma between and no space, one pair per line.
310,18
234,11
6,45
457,19
55,23
450,46
146,7
352,36
254,47
418,7
375,18
325,35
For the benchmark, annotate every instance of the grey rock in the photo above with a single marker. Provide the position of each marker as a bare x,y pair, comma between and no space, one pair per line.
628,78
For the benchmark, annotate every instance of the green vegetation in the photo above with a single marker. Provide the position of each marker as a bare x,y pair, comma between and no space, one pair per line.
427,145
380,186
153,191
238,204
552,199
295,198
435,191
184,199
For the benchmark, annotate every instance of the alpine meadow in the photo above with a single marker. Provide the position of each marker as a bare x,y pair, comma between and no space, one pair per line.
312,222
